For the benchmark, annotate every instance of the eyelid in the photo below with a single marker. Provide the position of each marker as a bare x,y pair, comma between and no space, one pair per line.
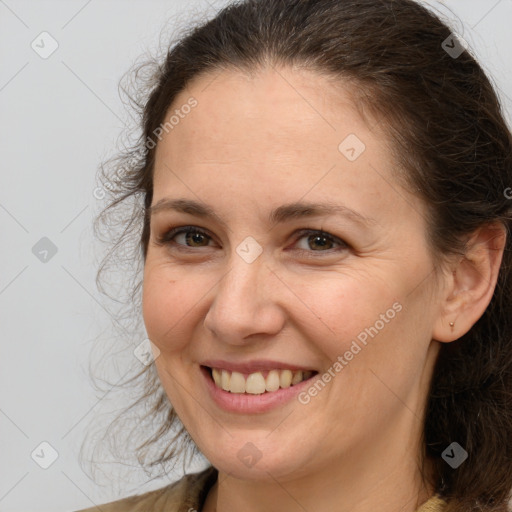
168,235
308,231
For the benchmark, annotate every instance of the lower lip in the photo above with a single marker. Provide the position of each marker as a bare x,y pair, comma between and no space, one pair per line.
246,403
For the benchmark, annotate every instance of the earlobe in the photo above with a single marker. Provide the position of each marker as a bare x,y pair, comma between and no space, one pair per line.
471,286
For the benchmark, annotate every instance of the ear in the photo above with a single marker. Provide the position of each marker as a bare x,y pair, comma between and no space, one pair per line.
470,286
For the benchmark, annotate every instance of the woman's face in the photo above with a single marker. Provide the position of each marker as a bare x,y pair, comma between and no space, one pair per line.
303,253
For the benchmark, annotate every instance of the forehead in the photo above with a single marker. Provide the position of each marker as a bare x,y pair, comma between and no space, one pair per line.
283,133
274,114
285,105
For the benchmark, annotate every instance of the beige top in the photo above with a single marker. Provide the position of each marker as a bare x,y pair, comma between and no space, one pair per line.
189,495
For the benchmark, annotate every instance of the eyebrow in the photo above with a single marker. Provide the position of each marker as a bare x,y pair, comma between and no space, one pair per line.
279,215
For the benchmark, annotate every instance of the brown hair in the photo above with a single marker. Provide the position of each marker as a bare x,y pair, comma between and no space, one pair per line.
450,137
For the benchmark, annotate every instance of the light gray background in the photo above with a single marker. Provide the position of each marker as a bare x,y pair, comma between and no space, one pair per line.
60,117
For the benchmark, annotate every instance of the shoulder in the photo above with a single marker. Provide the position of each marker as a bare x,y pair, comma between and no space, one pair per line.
434,504
187,493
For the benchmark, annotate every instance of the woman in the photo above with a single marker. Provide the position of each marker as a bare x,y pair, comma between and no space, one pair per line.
326,245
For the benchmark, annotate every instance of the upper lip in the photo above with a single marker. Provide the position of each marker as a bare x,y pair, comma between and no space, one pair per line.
256,365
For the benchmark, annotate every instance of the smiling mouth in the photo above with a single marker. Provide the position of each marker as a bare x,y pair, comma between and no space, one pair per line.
257,383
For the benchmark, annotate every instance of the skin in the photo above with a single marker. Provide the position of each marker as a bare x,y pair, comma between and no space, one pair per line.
254,143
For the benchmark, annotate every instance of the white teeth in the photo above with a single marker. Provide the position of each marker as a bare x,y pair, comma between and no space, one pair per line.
217,377
255,383
285,380
272,381
297,377
237,383
225,380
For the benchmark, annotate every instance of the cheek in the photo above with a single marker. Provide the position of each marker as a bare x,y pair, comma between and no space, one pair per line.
376,340
341,310
168,305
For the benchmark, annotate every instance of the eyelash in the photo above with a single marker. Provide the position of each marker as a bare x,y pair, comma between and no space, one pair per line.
166,239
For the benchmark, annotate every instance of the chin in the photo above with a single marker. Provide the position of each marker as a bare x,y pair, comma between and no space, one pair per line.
265,465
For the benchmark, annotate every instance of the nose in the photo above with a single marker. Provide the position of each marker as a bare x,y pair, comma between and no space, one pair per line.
246,303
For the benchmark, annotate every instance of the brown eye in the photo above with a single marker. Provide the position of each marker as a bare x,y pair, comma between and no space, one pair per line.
186,236
319,241
195,239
